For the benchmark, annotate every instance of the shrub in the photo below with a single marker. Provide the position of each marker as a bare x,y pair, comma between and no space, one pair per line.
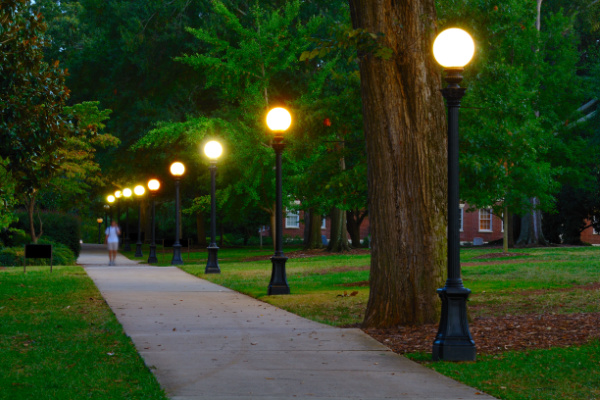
59,228
61,255
11,256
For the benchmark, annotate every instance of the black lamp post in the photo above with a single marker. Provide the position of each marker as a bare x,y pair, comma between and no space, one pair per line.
278,120
213,150
177,170
118,195
111,199
453,49
106,209
139,191
153,186
126,242
99,220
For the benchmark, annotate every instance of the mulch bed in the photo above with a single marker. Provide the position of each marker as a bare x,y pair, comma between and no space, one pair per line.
310,253
499,334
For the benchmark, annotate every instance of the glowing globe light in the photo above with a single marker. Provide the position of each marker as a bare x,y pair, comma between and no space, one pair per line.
213,149
127,192
110,198
453,48
139,190
118,194
177,169
153,185
279,119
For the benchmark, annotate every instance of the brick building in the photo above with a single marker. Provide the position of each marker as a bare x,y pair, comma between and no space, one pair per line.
473,224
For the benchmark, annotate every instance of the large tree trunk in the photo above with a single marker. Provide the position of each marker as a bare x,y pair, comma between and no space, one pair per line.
338,238
531,227
314,220
201,230
405,132
354,219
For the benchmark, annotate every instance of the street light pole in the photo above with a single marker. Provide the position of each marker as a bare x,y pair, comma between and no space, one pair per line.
153,185
118,195
139,191
99,220
177,170
453,341
213,150
278,120
126,241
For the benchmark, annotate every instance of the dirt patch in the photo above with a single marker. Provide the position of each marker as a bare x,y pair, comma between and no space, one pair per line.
590,286
500,334
310,253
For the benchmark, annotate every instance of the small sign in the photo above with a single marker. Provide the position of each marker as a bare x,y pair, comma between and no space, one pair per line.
38,251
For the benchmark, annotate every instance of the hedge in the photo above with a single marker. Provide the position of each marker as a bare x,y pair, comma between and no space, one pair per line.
59,228
61,255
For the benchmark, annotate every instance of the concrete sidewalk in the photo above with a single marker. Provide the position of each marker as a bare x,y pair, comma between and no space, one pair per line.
203,341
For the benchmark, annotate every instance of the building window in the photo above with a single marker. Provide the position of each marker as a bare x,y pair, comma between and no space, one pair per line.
292,219
461,212
485,220
324,223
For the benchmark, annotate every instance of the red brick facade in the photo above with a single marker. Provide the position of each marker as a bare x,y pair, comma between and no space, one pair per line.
588,235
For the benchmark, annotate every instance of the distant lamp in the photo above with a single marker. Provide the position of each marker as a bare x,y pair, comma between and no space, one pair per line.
126,240
153,186
99,221
127,192
139,192
213,150
111,199
177,169
118,194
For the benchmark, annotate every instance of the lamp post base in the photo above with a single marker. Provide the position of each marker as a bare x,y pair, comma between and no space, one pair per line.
138,250
212,265
453,341
126,245
278,284
176,255
152,257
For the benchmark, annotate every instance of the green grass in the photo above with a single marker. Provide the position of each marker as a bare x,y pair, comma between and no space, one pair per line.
60,340
556,374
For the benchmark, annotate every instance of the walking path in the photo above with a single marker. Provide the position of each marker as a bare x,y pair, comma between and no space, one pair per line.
203,341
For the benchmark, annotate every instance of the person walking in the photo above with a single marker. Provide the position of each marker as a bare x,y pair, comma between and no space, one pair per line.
112,241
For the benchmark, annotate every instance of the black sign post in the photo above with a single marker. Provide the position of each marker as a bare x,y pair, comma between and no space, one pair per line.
38,251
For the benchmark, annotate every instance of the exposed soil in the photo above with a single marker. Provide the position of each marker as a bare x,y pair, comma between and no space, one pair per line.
500,334
310,253
354,284
500,255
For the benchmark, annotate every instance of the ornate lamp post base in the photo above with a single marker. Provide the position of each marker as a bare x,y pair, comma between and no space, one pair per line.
152,257
176,255
138,250
278,284
453,341
212,265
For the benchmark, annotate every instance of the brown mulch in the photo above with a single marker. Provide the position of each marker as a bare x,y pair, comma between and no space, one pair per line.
310,253
500,334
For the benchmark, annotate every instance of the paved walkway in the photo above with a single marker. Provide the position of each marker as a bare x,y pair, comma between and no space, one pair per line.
203,341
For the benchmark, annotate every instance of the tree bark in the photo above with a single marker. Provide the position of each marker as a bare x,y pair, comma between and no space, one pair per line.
507,226
338,239
531,227
201,230
314,235
354,219
406,141
30,210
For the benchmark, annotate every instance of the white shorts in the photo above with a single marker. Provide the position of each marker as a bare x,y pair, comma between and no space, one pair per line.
113,246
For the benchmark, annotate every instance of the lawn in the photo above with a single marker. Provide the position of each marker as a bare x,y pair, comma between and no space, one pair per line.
60,340
534,314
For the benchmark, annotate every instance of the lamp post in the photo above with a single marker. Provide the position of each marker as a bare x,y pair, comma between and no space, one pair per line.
106,208
139,192
453,49
153,186
111,199
278,121
213,151
118,195
177,170
99,220
126,243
